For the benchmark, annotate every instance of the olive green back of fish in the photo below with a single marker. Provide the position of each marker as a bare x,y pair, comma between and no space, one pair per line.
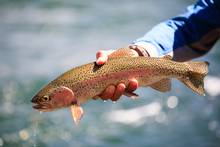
77,78
91,70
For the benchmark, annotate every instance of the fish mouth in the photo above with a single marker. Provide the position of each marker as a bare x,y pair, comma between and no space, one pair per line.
42,107
45,107
34,99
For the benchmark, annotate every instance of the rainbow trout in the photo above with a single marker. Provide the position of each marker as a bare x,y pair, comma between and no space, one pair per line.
80,84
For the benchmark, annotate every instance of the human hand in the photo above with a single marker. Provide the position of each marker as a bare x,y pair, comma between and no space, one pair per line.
114,92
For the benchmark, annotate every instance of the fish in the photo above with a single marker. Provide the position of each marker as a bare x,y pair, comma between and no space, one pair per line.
80,84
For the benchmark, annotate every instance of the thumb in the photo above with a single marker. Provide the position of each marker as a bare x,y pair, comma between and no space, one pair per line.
102,57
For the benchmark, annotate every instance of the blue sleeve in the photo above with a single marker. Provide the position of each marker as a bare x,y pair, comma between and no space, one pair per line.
198,28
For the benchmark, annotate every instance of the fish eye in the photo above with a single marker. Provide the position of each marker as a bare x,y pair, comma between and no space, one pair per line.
46,98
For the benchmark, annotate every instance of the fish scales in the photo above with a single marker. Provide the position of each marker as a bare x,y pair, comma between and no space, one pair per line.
90,79
79,84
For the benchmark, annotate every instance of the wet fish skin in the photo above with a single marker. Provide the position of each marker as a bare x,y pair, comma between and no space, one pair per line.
90,80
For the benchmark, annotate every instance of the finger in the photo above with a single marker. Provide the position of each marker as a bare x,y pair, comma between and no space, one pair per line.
120,89
133,85
108,93
102,52
102,56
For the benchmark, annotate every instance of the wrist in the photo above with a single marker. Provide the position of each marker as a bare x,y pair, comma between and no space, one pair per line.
149,48
140,51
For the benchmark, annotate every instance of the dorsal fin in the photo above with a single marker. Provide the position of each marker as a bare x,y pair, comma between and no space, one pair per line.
163,85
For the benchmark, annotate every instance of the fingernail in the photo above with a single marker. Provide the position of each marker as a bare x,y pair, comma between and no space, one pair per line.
101,60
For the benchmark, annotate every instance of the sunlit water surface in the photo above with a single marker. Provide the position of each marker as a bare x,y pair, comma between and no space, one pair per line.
41,39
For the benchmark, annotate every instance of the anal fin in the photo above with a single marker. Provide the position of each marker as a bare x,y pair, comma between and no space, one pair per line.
163,85
77,113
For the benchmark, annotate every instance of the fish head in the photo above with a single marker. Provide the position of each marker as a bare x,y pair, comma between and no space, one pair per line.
52,98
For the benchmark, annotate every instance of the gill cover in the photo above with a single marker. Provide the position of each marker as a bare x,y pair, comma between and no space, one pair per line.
69,99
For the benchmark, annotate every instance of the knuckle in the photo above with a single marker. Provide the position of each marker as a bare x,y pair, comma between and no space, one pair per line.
109,92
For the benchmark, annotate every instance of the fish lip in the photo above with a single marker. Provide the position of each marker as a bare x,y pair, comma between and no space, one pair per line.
42,107
37,106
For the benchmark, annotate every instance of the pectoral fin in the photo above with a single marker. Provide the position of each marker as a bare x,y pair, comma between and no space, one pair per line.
132,95
163,85
77,113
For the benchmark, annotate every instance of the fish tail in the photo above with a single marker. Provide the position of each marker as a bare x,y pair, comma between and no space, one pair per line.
195,78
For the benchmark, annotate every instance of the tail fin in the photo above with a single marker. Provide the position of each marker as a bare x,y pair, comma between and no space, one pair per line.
198,70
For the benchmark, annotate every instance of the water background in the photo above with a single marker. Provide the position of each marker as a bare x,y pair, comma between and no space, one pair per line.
41,39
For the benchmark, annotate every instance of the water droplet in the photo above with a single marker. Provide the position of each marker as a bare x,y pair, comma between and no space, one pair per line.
114,102
172,102
104,101
35,132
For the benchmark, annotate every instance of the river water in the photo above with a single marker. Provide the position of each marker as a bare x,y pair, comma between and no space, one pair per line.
41,39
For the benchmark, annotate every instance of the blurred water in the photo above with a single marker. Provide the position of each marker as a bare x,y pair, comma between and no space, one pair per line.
41,39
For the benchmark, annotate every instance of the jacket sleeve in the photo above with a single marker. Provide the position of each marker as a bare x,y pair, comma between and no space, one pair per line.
192,33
